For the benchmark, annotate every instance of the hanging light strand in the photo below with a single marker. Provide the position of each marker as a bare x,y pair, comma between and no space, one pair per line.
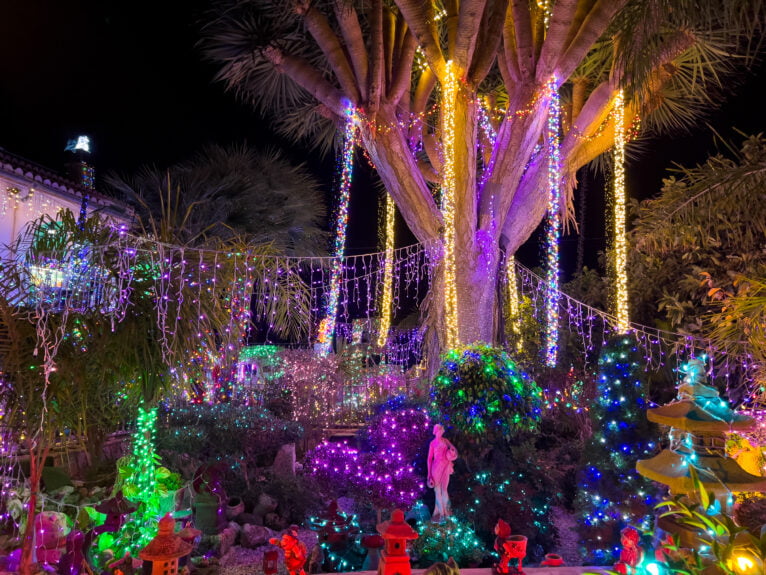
449,94
386,310
327,326
620,239
513,302
553,225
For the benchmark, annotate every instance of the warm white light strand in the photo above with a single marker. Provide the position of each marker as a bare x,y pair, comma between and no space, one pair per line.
386,300
620,238
449,95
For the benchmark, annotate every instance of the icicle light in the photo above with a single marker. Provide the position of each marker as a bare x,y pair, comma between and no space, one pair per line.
449,94
327,326
554,225
386,310
620,239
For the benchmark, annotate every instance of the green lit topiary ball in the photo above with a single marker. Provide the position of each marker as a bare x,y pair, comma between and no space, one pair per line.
480,391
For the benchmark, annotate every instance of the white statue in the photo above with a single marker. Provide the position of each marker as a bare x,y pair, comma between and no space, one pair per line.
441,454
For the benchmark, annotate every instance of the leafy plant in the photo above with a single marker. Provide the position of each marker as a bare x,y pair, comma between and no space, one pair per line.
722,544
480,391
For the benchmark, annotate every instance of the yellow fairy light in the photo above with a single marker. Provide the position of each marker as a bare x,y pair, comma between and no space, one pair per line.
449,95
620,240
388,274
545,6
513,301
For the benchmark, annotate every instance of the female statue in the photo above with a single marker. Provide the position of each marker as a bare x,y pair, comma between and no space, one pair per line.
441,454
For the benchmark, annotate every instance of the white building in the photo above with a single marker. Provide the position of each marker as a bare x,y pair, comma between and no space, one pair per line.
28,190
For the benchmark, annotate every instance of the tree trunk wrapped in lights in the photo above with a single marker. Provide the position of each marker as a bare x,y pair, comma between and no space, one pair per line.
399,65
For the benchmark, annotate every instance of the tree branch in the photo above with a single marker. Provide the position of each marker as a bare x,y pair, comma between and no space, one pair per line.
522,30
389,43
376,53
469,23
403,69
420,18
400,174
592,28
348,21
555,39
327,40
308,78
509,54
491,32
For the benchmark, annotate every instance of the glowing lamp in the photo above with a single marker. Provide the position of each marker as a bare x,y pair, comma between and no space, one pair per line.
744,563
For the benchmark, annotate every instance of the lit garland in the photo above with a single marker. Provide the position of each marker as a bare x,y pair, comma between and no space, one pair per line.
449,95
620,239
513,301
388,274
553,225
327,326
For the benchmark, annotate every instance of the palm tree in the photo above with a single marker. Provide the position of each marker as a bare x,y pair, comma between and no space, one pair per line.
233,191
390,61
701,243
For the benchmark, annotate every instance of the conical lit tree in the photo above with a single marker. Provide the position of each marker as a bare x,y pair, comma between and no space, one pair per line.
612,493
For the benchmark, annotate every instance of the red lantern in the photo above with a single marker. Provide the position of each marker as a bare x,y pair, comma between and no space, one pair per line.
396,532
270,557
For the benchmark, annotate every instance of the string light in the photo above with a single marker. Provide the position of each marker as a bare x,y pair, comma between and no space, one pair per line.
545,6
388,273
327,326
620,239
513,301
553,225
449,95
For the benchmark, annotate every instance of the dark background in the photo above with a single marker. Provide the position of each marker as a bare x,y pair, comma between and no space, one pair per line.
128,74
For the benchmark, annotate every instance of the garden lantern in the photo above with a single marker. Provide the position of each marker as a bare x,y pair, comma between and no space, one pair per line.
163,552
394,559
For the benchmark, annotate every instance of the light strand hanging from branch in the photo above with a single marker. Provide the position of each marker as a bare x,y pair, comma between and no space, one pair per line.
386,299
620,239
553,225
449,95
327,325
513,301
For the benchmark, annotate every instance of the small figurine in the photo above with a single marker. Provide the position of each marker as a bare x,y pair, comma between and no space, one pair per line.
502,533
295,550
631,554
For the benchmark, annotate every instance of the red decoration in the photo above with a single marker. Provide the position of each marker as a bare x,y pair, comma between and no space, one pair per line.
295,551
394,559
631,554
270,558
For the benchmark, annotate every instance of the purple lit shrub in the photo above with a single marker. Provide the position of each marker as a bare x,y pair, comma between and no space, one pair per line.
406,431
383,475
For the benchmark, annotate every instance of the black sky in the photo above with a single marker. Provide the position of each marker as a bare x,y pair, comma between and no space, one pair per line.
128,74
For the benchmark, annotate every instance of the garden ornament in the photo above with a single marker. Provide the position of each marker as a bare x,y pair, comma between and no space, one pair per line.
295,550
631,554
441,454
394,559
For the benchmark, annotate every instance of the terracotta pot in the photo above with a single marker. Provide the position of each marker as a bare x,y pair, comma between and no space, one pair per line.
234,507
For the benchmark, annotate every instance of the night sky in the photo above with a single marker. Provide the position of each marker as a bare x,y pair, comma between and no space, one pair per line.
128,74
